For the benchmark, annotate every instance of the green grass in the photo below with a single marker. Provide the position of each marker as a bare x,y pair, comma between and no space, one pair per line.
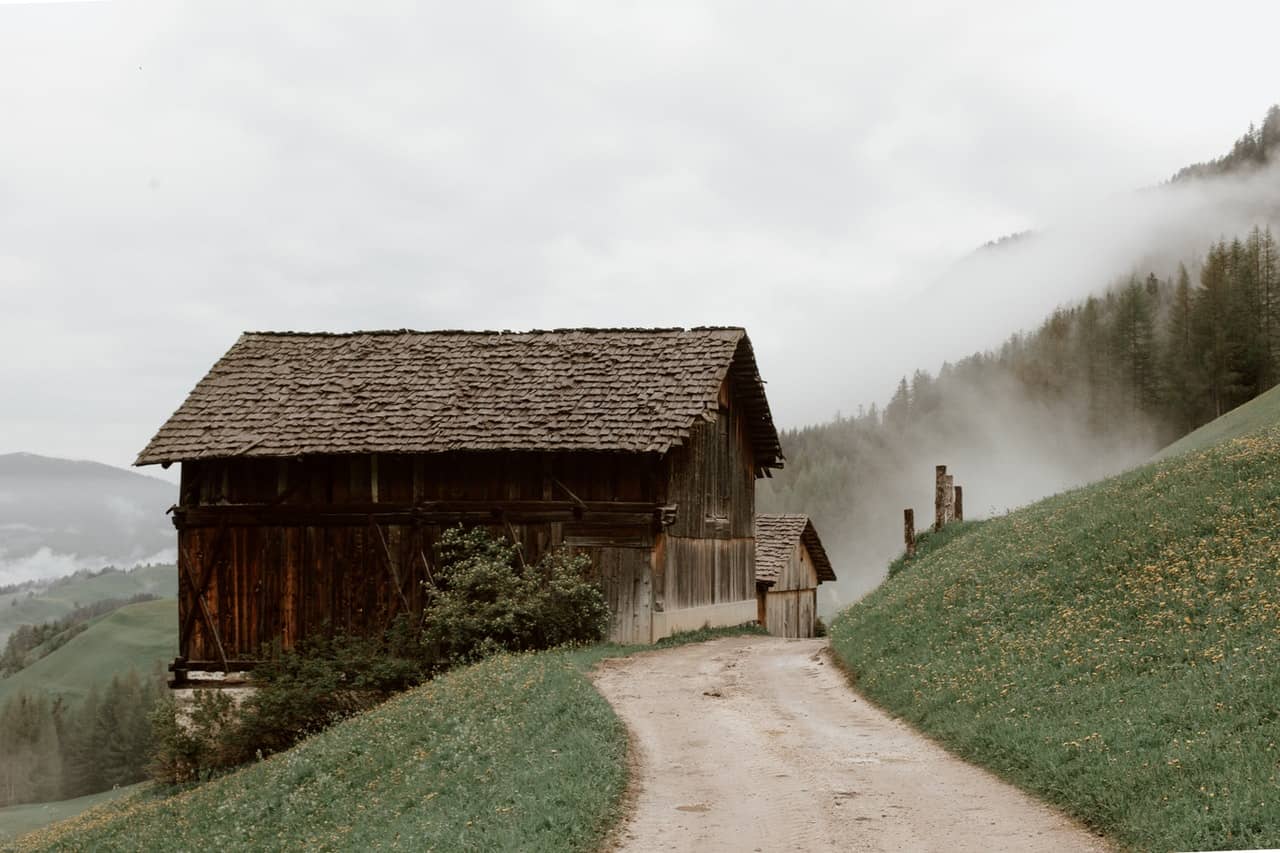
138,637
1259,413
931,540
17,820
63,596
1111,649
518,752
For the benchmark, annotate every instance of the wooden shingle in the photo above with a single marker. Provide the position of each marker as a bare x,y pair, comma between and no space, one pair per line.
776,538
283,394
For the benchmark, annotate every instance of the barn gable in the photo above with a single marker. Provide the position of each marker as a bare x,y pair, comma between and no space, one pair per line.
629,390
776,540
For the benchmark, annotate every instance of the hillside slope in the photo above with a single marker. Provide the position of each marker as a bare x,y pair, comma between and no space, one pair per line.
1109,648
1260,412
515,753
139,636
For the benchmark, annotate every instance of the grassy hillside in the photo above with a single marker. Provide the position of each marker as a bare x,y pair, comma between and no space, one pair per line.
137,636
66,594
18,820
518,752
1110,648
1260,412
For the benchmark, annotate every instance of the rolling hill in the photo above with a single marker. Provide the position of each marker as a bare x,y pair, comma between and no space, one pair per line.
46,602
139,637
1109,648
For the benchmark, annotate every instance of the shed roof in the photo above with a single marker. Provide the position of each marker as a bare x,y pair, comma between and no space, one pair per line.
776,538
282,394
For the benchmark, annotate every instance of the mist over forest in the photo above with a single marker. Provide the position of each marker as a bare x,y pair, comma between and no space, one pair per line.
1168,315
59,516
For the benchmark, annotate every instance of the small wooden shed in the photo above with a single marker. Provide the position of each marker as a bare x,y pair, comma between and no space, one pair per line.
318,471
790,563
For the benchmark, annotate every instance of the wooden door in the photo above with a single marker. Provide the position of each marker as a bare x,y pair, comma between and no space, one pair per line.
626,575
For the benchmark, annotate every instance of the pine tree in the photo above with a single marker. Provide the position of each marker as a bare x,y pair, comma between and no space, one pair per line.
1183,384
1268,275
898,413
1211,329
1134,346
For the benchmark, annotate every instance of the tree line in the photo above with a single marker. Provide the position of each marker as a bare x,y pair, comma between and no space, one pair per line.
1098,386
54,751
1172,353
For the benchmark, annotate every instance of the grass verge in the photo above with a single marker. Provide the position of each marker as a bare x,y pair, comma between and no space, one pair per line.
16,820
1108,649
518,752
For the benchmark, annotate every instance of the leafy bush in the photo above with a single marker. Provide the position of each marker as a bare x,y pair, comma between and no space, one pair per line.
483,603
192,746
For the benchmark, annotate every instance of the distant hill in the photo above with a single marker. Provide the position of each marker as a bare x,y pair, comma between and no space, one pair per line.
49,600
1254,150
135,637
60,515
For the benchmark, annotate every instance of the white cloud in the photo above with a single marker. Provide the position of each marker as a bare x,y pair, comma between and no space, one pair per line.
188,171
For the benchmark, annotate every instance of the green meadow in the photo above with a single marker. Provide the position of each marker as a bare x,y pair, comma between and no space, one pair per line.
139,636
34,607
1110,649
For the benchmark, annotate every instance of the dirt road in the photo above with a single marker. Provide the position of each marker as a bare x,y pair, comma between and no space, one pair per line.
758,744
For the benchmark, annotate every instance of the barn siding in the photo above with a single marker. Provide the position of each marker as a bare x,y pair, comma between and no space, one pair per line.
273,583
791,604
709,552
791,613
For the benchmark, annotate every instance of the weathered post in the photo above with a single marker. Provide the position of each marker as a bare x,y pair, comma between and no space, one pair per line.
949,501
909,531
959,503
939,497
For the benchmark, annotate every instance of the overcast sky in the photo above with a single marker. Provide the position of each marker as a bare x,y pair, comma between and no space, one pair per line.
171,175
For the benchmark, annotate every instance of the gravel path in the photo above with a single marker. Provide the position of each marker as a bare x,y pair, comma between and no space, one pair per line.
759,744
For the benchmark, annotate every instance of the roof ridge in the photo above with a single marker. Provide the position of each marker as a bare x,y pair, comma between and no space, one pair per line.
498,332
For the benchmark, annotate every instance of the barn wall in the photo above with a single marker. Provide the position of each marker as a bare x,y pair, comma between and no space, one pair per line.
397,478
791,604
799,572
313,571
709,551
791,613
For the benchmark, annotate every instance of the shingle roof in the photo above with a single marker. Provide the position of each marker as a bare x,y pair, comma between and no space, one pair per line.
639,390
776,538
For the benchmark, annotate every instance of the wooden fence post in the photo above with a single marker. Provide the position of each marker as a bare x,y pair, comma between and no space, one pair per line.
939,497
959,503
949,500
909,531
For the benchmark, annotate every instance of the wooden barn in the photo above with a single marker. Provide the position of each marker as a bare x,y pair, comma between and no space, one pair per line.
318,471
790,563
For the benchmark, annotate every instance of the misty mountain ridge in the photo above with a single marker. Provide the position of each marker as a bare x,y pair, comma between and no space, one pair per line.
1151,314
59,516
